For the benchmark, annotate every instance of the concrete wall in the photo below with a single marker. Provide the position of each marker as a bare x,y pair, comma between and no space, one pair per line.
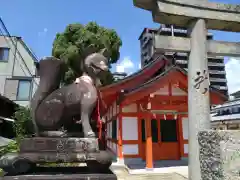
185,133
19,68
130,128
15,68
130,132
6,68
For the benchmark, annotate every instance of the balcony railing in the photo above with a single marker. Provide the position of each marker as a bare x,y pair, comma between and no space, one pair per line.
217,72
220,87
216,64
218,80
167,29
181,61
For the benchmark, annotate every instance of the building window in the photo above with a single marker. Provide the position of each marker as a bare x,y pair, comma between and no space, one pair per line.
228,111
4,54
225,112
114,129
168,130
155,130
143,131
23,93
234,110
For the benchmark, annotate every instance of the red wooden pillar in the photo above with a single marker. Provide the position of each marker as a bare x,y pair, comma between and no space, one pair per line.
120,148
149,151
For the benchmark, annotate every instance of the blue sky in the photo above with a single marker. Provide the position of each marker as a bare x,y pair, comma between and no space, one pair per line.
38,21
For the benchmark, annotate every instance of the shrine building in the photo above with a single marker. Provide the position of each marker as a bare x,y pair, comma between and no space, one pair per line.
147,113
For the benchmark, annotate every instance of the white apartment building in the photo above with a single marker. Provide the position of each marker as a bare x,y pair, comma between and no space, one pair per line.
18,79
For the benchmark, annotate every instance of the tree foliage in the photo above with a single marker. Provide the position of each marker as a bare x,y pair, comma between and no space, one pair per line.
72,45
23,123
22,127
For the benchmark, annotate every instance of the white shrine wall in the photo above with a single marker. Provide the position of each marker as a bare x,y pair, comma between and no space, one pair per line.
185,135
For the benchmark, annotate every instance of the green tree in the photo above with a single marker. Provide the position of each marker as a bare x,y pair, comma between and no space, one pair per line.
73,44
23,127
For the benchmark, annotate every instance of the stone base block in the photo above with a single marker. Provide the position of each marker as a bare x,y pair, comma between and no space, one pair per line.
59,145
63,177
219,154
42,150
64,157
23,162
63,173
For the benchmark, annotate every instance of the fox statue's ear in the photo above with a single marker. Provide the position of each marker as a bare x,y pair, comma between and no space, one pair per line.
105,53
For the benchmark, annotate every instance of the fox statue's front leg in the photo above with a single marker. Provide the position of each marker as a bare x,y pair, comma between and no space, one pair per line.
88,103
85,119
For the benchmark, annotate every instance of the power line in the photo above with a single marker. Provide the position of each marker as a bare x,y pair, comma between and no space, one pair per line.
10,37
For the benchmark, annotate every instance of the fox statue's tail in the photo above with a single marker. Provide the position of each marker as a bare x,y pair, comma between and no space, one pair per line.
51,71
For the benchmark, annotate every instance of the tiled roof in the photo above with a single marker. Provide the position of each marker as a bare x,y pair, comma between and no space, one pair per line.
173,67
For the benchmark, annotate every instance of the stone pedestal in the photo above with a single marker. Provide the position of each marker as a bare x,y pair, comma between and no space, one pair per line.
219,154
59,145
36,151
63,177
63,173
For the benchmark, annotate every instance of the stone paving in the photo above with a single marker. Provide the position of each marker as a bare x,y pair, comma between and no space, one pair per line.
160,173
123,173
172,176
140,164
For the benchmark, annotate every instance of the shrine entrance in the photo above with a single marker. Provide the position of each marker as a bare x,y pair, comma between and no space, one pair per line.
165,139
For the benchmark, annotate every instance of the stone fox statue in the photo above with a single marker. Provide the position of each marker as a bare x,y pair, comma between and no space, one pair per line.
53,107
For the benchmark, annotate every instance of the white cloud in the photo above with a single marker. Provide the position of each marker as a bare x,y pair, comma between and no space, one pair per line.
119,68
125,65
233,74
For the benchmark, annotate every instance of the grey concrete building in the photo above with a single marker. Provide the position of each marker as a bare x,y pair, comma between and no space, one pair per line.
226,116
216,65
18,79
